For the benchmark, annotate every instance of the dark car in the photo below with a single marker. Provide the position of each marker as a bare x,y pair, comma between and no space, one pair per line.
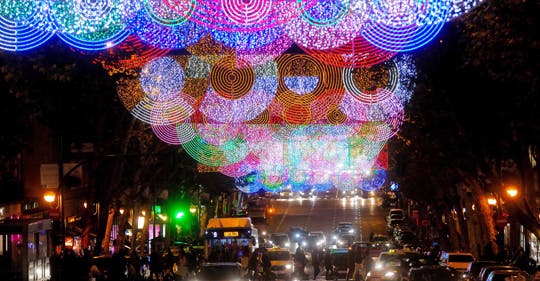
222,271
432,272
474,268
508,275
485,271
339,264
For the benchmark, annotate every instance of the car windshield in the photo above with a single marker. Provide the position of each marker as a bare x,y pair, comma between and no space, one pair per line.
460,258
279,255
219,272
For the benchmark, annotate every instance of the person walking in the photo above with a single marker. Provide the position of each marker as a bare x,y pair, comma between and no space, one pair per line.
300,262
316,262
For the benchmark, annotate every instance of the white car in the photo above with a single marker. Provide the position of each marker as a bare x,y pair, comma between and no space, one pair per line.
345,227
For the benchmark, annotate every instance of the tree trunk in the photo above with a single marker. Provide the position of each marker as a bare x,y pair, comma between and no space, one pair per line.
108,227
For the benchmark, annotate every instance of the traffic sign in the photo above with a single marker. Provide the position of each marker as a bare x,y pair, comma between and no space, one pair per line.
501,221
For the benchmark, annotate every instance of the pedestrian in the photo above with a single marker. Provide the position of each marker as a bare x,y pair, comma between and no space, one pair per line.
316,262
155,264
328,263
300,262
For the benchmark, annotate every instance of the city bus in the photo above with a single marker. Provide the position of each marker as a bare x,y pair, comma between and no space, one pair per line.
225,237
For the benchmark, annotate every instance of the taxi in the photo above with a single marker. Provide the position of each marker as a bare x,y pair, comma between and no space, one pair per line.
281,262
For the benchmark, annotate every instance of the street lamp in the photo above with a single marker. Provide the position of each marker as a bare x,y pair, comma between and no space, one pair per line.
492,201
512,191
49,197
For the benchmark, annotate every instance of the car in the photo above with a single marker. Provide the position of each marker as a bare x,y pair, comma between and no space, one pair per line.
474,268
385,267
457,260
345,227
396,211
393,223
315,239
345,239
297,234
220,271
485,271
406,237
281,263
380,239
508,275
432,272
339,264
280,240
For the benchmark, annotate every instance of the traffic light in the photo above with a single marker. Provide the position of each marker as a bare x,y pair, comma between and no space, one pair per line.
179,215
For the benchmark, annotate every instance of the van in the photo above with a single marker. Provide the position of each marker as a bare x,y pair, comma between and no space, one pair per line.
281,263
457,260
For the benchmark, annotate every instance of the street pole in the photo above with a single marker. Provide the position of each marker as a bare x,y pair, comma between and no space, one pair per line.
61,190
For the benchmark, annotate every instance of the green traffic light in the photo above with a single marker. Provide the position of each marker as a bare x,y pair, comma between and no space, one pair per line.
179,215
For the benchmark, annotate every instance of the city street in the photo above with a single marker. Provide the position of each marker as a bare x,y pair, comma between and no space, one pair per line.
324,214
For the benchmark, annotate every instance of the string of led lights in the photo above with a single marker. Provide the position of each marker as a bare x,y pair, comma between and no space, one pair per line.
239,105
329,26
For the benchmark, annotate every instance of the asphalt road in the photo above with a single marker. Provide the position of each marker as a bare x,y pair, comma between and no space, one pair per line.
324,214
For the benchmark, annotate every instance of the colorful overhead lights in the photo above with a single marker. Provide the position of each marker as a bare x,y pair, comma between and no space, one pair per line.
318,25
237,104
24,25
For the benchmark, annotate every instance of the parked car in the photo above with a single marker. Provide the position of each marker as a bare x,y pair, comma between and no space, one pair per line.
474,268
508,275
432,272
398,213
485,271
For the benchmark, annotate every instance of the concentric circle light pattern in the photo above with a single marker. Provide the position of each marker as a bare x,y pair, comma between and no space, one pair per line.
90,25
24,25
328,26
243,122
239,105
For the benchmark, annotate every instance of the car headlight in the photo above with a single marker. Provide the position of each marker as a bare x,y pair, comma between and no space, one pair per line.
288,266
351,230
287,244
389,274
378,266
304,243
297,235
